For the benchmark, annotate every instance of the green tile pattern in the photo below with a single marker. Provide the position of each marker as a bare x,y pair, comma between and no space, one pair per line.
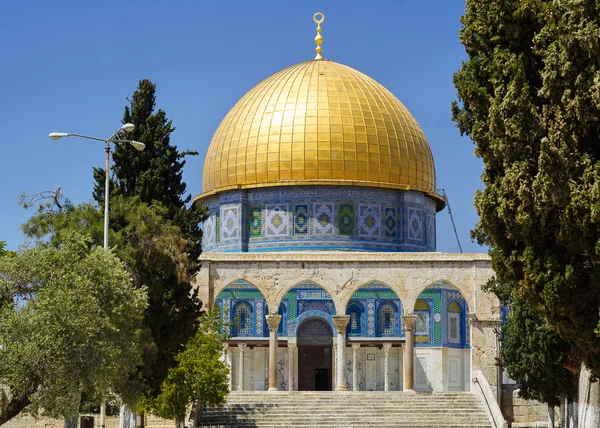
346,219
255,221
436,296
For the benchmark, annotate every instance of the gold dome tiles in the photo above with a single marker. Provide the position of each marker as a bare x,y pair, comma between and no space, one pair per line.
318,122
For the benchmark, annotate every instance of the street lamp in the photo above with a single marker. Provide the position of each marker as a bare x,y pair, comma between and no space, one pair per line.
128,127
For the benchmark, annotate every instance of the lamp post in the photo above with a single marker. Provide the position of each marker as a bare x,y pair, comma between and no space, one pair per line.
128,127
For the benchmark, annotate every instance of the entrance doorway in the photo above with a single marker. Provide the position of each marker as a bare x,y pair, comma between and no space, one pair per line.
314,352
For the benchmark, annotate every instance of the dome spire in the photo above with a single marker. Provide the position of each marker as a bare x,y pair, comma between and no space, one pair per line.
319,18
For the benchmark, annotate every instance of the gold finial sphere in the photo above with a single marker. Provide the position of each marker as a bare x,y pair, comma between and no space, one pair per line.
318,18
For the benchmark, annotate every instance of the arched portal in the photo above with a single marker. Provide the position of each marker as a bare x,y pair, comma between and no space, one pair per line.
315,341
441,326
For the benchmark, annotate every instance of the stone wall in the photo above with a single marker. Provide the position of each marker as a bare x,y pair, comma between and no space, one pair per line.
521,413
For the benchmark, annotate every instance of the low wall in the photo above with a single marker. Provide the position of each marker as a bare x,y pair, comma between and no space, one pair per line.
521,413
111,422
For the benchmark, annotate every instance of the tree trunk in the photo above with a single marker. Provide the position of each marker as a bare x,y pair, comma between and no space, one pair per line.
15,406
140,420
588,400
572,413
180,421
550,416
197,414
126,417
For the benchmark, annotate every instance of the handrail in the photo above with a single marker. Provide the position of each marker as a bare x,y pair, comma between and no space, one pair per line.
486,391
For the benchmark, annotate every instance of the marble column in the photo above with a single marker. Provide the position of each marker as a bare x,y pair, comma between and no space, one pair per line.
386,365
355,348
242,347
291,372
334,365
273,323
409,353
341,321
229,362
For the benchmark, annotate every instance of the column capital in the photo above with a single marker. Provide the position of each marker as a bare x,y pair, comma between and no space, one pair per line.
291,346
356,346
242,346
273,321
387,347
341,321
409,322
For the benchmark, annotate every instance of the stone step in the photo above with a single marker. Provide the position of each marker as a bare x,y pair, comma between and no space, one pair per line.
349,409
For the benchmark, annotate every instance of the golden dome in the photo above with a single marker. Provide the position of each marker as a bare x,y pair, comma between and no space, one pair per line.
319,123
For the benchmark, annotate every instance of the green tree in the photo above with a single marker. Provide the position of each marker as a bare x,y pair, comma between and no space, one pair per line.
199,376
530,101
145,242
154,176
79,332
536,357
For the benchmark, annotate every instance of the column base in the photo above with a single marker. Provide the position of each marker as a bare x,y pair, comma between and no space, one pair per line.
410,391
341,388
272,390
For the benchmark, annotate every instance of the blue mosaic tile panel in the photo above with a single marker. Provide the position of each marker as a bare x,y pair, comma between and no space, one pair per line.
301,220
369,220
390,222
323,219
231,222
415,224
277,221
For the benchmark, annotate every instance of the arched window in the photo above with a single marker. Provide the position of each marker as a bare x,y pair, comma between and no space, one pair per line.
282,330
387,319
454,313
355,324
422,310
242,324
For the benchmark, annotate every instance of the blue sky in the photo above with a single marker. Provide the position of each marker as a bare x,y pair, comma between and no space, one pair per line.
69,65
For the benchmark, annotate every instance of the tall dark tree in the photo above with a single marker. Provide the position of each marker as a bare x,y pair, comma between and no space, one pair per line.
530,101
155,177
536,357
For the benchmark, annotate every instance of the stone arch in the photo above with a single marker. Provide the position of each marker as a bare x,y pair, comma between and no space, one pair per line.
235,283
305,283
294,325
413,294
365,284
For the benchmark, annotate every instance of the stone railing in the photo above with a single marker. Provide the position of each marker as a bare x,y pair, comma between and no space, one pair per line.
482,387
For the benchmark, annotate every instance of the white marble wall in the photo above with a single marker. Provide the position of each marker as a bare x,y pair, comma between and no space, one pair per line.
436,369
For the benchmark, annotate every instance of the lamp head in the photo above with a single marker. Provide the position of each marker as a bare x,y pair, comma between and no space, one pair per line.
138,146
128,127
58,135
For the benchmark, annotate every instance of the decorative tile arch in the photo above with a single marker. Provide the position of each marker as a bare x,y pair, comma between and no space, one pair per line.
234,296
295,324
372,295
440,308
304,297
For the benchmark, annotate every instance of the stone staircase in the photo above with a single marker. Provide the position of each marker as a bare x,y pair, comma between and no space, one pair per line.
349,409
